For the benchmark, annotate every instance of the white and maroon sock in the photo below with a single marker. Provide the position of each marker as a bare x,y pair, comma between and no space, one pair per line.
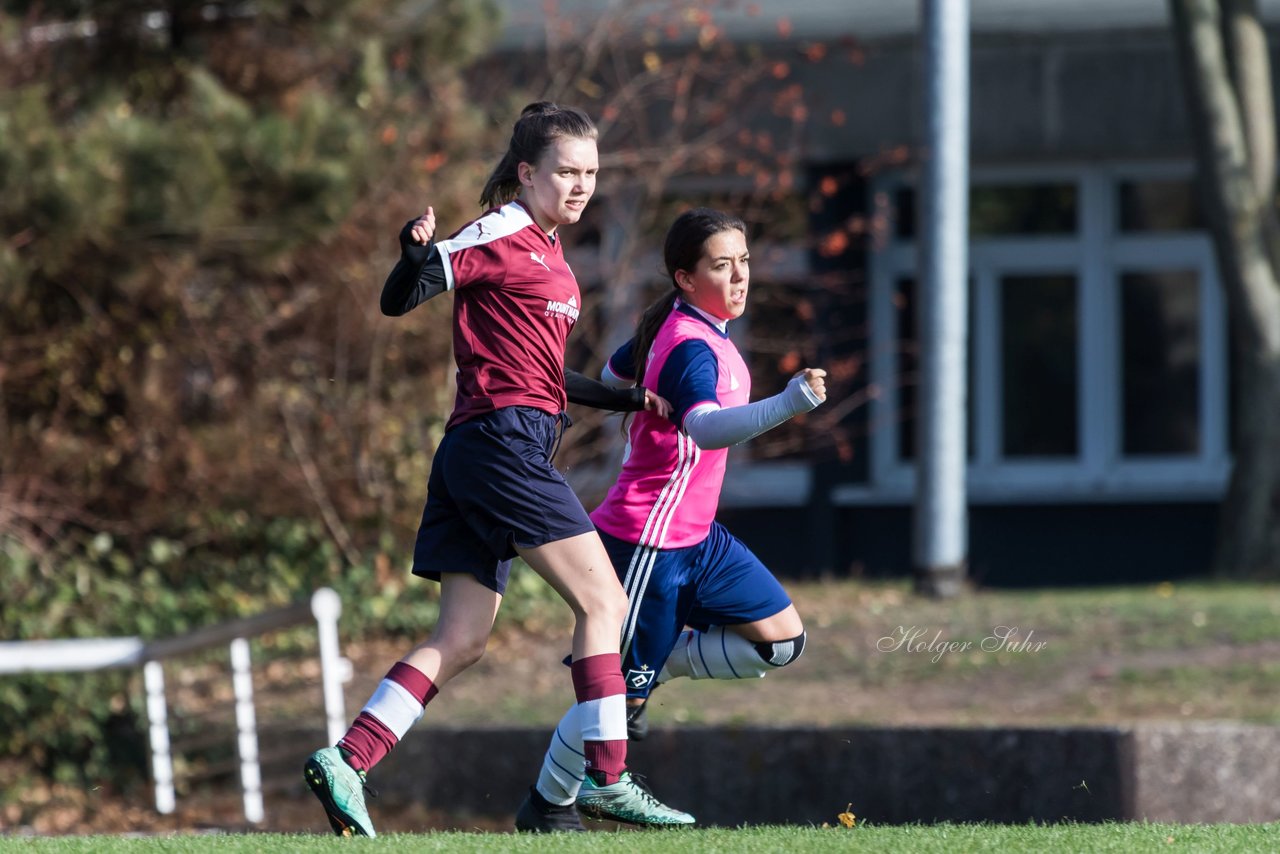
562,770
602,714
395,706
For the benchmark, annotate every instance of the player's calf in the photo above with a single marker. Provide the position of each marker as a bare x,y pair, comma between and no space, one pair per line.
720,653
731,657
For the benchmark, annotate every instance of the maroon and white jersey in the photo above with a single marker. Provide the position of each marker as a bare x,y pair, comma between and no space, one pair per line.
516,302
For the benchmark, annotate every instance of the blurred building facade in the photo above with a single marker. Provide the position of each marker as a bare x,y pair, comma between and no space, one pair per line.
1100,373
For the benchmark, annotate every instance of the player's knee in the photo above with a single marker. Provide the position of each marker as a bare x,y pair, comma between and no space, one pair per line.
606,604
613,603
463,649
472,652
781,653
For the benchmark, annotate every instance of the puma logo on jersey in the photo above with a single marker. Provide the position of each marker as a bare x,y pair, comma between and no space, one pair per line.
567,310
479,229
539,259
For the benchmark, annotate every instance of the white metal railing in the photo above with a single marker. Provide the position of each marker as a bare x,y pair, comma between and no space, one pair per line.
61,656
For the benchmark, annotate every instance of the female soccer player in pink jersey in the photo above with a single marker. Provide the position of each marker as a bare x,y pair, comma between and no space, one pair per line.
493,492
678,565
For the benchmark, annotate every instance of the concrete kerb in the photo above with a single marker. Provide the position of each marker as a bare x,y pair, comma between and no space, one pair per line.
1195,772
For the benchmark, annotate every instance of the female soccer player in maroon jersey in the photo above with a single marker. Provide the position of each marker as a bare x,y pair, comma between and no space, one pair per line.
493,493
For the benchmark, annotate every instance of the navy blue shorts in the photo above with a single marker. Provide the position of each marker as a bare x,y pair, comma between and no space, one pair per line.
718,582
493,489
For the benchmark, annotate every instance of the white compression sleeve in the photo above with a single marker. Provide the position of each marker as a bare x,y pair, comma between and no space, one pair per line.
716,653
711,427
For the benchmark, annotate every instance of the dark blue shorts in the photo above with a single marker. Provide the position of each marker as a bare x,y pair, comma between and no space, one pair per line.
718,582
493,489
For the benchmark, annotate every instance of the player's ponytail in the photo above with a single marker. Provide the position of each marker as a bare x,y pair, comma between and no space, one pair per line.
684,245
647,329
538,125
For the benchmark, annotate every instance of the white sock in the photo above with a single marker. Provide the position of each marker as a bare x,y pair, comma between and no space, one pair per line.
394,707
562,766
714,654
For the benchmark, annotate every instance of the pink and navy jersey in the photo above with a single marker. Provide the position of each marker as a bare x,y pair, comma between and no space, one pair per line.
667,493
516,302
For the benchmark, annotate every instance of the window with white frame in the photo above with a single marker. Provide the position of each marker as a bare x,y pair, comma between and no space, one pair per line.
1097,346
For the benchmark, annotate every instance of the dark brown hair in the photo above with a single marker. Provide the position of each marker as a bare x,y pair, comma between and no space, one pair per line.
684,245
538,125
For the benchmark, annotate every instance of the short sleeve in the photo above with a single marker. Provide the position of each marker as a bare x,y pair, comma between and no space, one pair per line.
623,362
469,265
689,376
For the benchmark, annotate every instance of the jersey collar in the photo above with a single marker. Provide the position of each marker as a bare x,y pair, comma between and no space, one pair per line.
550,238
722,326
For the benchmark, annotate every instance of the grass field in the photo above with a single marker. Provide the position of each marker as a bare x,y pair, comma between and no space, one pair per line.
1194,651
916,839
1161,652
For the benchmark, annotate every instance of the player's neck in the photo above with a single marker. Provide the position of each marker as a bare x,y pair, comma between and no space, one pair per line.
722,325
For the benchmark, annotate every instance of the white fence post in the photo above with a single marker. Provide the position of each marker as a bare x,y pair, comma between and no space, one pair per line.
158,717
326,605
86,654
247,730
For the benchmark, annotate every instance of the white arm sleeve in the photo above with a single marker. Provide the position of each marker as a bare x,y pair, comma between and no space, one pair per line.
612,380
712,427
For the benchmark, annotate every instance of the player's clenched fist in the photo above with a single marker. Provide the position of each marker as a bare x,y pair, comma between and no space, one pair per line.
813,377
423,228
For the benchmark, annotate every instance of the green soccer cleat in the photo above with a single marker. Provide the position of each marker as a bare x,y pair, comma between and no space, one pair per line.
340,789
629,801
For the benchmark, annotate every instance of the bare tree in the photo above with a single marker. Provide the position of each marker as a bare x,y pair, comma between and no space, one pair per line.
687,115
1223,53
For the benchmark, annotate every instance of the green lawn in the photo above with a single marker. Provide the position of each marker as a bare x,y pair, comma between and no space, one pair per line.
1099,655
916,839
